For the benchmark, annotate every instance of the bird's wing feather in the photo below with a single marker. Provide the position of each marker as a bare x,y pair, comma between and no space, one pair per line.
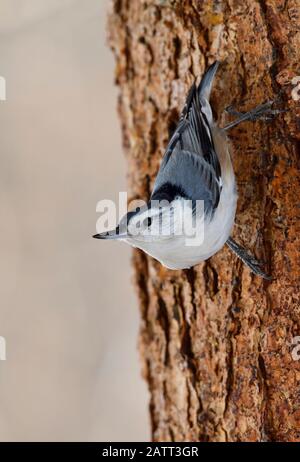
193,140
188,175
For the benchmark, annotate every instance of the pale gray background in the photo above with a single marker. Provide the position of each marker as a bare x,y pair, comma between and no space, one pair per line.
68,309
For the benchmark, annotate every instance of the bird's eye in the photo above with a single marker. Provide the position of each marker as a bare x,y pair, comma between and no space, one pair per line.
148,222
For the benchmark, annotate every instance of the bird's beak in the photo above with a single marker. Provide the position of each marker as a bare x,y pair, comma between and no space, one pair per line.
114,234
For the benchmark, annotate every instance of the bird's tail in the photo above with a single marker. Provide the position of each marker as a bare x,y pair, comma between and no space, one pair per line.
207,80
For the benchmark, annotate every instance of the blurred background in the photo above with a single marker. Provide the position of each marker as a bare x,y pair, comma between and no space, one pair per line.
68,309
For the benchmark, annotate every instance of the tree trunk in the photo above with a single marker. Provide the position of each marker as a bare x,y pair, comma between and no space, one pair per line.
216,341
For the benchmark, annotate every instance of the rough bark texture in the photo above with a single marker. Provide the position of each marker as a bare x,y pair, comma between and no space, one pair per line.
215,340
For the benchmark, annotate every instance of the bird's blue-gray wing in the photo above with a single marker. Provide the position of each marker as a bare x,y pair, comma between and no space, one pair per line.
187,175
191,150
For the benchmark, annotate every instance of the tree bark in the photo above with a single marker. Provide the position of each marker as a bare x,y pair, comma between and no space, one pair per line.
215,340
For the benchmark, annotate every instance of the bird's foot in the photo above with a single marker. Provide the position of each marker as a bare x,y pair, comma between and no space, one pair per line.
263,111
248,259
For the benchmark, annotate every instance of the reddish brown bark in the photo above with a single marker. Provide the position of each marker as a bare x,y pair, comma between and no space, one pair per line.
215,340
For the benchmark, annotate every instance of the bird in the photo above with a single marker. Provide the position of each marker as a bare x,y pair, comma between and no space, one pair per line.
195,169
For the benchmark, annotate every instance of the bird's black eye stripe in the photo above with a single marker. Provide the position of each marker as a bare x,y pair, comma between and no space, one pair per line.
148,222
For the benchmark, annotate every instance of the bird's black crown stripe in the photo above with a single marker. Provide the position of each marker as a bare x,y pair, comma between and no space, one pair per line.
169,191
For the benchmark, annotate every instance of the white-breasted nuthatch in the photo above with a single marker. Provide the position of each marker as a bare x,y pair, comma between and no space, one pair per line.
196,167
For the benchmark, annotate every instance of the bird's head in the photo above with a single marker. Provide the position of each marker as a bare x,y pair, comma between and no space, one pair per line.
152,222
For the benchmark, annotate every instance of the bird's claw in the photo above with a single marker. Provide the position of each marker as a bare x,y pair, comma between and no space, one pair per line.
261,112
